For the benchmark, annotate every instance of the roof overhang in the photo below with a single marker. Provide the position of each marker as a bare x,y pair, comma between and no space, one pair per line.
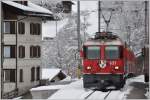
30,10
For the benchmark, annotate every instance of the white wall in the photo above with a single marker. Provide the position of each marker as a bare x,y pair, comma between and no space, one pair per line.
24,63
27,63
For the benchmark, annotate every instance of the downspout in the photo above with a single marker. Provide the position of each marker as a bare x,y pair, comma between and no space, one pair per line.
2,87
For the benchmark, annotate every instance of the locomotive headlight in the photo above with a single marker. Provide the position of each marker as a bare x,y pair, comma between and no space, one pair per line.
88,67
116,67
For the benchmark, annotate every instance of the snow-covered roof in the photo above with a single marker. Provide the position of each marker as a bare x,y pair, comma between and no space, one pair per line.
31,7
50,87
50,73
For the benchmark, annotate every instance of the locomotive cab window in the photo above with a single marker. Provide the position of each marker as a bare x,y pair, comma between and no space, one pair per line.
92,52
112,52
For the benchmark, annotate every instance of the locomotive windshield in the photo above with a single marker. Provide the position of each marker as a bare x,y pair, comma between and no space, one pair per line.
112,52
92,52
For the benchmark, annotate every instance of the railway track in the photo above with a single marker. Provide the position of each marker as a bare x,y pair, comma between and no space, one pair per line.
105,97
89,95
107,94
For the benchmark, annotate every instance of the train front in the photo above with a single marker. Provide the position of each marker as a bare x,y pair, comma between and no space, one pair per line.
103,63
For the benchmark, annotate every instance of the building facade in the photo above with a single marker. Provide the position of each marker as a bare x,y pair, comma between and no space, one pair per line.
20,43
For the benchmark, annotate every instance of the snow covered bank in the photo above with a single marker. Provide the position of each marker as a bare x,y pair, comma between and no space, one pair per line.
76,91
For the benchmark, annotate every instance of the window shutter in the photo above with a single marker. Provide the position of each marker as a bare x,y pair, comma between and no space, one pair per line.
34,52
31,51
21,75
39,29
38,73
32,74
12,27
23,52
31,28
39,51
12,76
13,52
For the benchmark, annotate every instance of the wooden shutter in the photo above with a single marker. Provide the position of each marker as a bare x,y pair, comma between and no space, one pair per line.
38,73
34,51
32,74
12,75
31,28
21,51
38,51
21,28
12,27
39,29
21,75
31,51
12,51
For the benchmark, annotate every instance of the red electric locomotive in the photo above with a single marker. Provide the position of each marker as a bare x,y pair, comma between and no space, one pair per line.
105,59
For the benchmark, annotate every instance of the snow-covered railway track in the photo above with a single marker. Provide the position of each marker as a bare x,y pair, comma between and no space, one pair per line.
92,92
107,94
89,95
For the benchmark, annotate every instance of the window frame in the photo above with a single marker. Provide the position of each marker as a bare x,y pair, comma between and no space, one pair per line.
35,28
21,51
12,29
21,28
11,54
119,49
10,76
85,48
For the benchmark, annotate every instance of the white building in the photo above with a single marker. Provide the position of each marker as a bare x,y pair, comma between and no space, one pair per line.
20,46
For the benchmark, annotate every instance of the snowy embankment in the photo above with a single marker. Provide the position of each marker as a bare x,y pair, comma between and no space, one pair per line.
75,90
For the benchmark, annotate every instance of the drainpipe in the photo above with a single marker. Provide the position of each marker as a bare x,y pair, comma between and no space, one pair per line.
1,50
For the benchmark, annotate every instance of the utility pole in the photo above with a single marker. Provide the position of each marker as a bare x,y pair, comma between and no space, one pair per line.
99,16
79,38
57,41
146,22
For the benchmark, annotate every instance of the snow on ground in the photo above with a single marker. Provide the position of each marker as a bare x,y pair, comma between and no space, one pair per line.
139,78
49,87
72,91
75,91
17,98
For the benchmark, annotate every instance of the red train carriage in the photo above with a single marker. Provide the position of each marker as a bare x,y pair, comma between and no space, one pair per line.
104,59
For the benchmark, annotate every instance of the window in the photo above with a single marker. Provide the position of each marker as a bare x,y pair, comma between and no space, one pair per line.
112,52
32,74
21,75
21,51
9,75
10,51
21,28
38,73
35,28
9,27
92,52
35,51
